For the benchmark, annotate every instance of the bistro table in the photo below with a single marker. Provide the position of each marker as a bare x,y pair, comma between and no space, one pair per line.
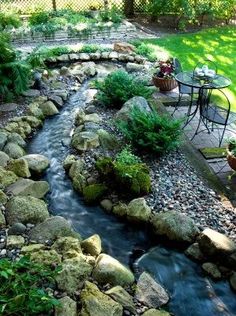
188,78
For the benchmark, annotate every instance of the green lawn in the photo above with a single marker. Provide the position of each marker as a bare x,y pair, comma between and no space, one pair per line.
217,44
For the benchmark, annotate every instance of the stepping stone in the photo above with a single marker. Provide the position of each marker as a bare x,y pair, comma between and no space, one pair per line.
8,107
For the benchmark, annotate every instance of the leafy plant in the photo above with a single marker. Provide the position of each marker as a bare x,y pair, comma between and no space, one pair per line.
23,288
9,20
232,146
144,50
112,14
38,17
118,87
127,157
150,131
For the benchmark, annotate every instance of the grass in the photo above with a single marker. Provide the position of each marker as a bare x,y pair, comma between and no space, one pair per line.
217,44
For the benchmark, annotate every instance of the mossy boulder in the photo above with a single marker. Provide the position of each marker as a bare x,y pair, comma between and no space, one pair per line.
121,296
27,187
3,139
77,168
138,211
17,139
47,257
2,220
20,167
66,307
22,209
156,312
120,209
107,140
94,192
64,244
93,299
7,177
34,109
92,245
3,197
67,163
48,108
37,163
83,141
33,121
110,270
4,158
13,150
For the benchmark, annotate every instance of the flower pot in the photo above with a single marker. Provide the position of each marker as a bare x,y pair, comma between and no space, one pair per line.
164,84
231,159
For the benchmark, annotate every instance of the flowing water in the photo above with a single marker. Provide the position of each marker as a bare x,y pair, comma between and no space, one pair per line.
191,293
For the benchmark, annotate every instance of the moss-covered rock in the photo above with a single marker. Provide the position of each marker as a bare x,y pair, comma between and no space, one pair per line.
83,141
27,187
77,168
48,108
92,245
67,163
22,209
27,250
20,167
65,244
121,296
3,139
34,109
94,192
48,257
120,209
17,139
7,177
2,220
107,140
155,312
66,307
13,150
138,211
93,299
4,158
37,163
15,241
3,197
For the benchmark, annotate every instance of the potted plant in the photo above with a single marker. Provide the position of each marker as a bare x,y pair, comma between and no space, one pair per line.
231,153
164,77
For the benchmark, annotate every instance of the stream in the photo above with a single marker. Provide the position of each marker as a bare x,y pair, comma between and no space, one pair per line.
191,293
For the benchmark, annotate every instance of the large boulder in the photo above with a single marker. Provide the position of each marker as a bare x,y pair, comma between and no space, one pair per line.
3,197
4,158
34,109
48,257
110,270
138,211
3,139
26,209
76,168
7,177
63,245
212,270
27,187
149,292
122,47
51,229
48,108
20,167
175,226
13,150
92,245
121,296
107,140
37,163
94,192
17,139
214,244
66,307
139,102
67,163
94,302
83,141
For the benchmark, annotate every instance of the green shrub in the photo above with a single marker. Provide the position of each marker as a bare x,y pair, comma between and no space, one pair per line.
93,192
112,14
118,87
127,157
150,131
144,50
38,17
23,288
9,20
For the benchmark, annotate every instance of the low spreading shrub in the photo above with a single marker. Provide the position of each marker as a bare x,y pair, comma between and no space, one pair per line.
112,14
23,289
9,20
118,87
144,50
150,131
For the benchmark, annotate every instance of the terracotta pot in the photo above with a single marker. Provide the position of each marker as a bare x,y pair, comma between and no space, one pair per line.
231,159
164,84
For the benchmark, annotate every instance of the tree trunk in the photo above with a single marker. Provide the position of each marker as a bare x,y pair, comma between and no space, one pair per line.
54,5
129,7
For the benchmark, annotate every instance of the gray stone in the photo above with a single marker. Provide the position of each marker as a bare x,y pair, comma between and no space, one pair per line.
4,158
13,150
17,229
85,140
94,118
51,229
17,139
133,67
194,252
121,296
92,245
138,211
57,100
110,270
34,109
3,139
26,210
232,281
3,197
149,292
107,205
31,93
94,302
8,107
48,108
175,226
27,187
67,307
37,163
107,141
212,270
89,69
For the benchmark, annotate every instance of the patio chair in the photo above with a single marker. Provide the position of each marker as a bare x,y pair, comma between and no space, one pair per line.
215,110
183,89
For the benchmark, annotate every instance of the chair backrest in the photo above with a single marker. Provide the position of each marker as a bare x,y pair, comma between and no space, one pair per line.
177,66
207,62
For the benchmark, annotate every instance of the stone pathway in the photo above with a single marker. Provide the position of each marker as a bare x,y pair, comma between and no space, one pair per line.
218,165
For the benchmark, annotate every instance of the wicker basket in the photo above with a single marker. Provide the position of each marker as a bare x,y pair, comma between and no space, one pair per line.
164,84
231,160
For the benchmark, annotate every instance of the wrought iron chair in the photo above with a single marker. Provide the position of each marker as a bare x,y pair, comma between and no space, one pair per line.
215,109
183,89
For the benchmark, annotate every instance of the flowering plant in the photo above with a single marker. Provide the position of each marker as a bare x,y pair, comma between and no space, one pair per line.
166,69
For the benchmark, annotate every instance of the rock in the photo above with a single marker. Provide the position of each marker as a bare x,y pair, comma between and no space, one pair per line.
13,150
19,167
90,109
31,93
27,250
73,275
133,67
214,244
76,168
48,108
3,140
121,47
94,192
84,56
48,257
61,93
27,187
26,210
89,69
15,241
212,270
66,307
83,141
65,244
139,102
2,220
232,281
110,270
120,209
79,117
33,121
51,229
4,158
37,163
90,126
17,139
149,292
106,205
7,177
92,245
122,297
93,299
64,57
64,71
67,163
155,312
113,55
107,140
17,229
34,109
3,197
138,211
175,226
194,252
94,118
57,100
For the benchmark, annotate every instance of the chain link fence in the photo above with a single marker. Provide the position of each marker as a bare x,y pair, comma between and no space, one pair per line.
29,6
